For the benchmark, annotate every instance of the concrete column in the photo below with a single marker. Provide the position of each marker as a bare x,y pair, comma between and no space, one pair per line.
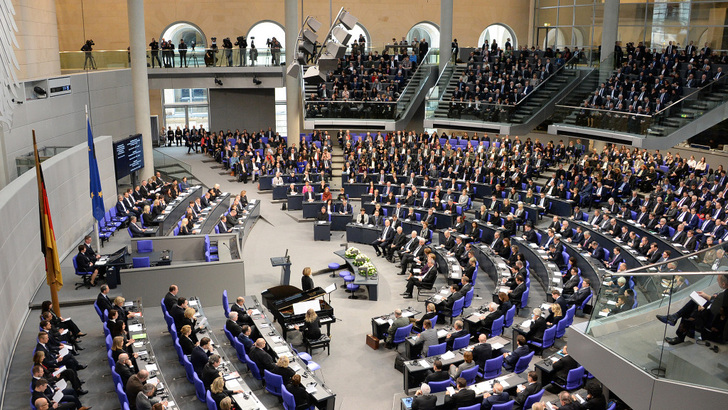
4,160
445,32
610,26
293,85
140,82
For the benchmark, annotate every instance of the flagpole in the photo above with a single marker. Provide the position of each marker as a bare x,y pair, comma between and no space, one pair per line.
54,285
94,223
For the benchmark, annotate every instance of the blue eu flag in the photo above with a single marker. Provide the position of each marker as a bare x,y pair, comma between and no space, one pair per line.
97,197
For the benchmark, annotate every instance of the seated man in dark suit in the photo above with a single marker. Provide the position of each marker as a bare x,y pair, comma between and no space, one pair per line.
170,299
510,359
482,351
232,324
437,374
102,300
485,322
561,369
384,239
244,337
515,295
200,355
459,332
423,400
210,372
538,325
447,305
262,359
136,230
498,397
428,277
580,294
533,387
462,398
243,312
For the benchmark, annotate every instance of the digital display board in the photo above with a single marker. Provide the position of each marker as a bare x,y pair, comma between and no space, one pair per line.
128,155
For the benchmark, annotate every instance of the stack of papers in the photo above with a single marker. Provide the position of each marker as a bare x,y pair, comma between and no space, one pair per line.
407,313
496,346
136,328
151,367
423,363
447,355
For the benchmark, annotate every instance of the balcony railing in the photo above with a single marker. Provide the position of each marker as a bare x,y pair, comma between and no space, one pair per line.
634,330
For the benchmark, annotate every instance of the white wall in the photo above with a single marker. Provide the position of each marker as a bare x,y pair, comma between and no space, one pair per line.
37,35
61,120
22,266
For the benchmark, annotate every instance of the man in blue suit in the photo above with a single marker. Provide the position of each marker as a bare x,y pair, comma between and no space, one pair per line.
498,397
510,359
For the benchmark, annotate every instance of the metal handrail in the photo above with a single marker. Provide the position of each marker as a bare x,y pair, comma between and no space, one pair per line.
419,67
563,66
696,90
602,110
449,64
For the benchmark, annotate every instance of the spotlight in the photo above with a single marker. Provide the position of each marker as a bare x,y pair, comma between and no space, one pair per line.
39,91
218,81
256,81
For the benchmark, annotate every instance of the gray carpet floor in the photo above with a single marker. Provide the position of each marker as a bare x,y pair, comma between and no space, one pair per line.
358,375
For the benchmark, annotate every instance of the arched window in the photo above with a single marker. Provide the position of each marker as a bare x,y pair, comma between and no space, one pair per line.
500,33
356,32
429,31
556,38
182,29
264,30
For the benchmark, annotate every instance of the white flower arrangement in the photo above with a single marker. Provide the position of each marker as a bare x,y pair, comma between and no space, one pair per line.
360,260
351,253
368,269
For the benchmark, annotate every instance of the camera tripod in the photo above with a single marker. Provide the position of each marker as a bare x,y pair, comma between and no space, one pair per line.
193,59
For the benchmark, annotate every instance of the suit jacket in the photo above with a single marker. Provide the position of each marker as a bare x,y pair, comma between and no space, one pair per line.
515,296
424,402
262,359
125,372
510,361
209,374
463,398
521,397
243,318
579,296
495,399
103,302
170,301
481,353
233,328
133,387
199,359
537,329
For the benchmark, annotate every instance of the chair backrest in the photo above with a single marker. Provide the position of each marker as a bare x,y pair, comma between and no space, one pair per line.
401,334
469,374
523,363
606,254
457,307
189,369
585,302
473,407
469,298
110,358
225,304
510,314
99,312
504,406
436,350
122,396
211,405
532,399
436,387
496,328
273,382
460,342
575,378
560,328
229,335
199,388
569,316
524,297
145,246
240,350
289,402
141,262
549,337
612,406
634,305
493,367
253,368
108,341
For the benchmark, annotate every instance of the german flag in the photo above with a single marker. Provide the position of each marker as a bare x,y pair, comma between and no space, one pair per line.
47,236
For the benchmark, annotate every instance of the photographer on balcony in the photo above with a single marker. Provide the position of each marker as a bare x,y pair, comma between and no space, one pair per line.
227,47
87,49
242,44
